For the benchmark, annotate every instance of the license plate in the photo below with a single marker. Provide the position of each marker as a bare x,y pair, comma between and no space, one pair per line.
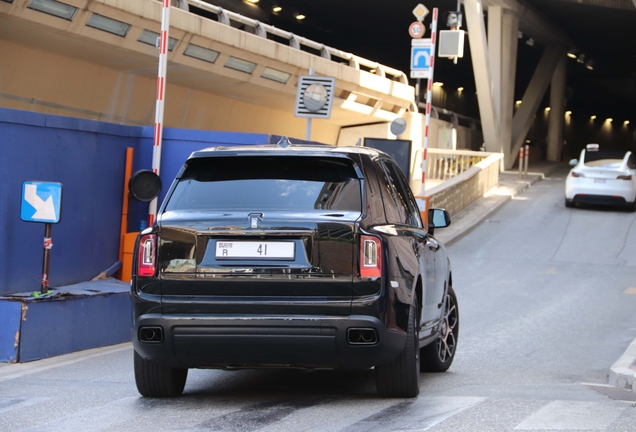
599,180
254,250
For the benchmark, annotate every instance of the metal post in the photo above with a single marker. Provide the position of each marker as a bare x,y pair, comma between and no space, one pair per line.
520,162
417,94
527,158
161,92
308,125
48,244
429,96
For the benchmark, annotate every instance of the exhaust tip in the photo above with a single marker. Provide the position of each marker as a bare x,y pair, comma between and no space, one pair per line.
151,334
362,336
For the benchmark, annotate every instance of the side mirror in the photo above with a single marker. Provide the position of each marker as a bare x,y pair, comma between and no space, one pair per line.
573,162
144,185
437,218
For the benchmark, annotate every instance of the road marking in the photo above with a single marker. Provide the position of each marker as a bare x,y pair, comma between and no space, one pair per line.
630,290
560,415
18,370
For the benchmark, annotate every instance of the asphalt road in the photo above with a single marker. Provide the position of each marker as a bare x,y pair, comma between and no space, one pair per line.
545,310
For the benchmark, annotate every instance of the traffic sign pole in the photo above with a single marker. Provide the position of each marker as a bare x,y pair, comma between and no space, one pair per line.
429,96
48,244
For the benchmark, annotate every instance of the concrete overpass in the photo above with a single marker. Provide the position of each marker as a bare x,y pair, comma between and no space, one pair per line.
237,74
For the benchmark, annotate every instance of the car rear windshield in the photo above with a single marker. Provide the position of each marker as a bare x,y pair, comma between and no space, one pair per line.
603,157
300,183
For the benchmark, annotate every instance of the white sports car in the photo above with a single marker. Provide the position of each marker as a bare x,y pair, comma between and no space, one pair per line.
602,177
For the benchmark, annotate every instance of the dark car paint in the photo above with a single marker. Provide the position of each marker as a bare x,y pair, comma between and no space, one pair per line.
296,316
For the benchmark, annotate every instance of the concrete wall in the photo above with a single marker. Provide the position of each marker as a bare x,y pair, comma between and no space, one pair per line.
459,192
88,158
73,87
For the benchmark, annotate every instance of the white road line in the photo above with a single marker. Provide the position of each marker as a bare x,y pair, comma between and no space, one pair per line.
568,415
18,370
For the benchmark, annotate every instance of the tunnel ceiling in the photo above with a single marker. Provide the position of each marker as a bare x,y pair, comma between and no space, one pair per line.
603,30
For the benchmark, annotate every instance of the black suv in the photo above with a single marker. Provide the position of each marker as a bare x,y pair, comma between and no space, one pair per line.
292,256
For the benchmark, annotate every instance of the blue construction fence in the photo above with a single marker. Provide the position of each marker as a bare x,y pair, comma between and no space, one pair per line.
89,158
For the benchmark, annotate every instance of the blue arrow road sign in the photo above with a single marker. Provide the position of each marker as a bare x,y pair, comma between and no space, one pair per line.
41,202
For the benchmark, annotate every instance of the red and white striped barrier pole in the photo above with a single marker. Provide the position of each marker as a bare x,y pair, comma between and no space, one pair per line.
161,93
527,158
521,152
429,96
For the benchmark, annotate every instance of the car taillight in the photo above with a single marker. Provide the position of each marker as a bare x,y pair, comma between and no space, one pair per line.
575,174
147,255
370,256
624,177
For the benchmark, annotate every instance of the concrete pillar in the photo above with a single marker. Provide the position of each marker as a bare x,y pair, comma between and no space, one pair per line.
532,98
557,111
495,54
510,43
481,68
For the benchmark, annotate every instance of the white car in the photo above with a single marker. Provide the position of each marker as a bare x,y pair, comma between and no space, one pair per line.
602,177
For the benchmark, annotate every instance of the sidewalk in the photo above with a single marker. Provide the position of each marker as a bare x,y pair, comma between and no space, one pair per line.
623,372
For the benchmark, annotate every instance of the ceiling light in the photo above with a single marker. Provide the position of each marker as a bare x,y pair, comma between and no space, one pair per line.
581,58
518,102
572,55
240,65
277,9
593,117
626,122
53,7
438,84
252,1
530,42
568,113
609,120
201,53
275,75
589,65
109,25
150,38
460,89
547,109
300,17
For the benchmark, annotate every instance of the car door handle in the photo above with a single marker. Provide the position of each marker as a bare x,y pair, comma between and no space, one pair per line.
432,244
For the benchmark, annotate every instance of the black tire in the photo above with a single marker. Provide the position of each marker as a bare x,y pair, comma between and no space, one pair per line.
569,203
401,377
155,380
438,356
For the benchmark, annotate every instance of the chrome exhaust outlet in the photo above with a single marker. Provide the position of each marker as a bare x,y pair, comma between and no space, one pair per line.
362,336
151,334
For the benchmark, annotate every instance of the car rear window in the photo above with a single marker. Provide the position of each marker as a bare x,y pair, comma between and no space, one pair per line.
603,157
301,183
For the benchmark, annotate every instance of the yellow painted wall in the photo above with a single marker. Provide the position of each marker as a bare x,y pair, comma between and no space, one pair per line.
50,83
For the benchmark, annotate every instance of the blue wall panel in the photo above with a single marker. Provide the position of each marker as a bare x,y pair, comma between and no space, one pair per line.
9,326
91,168
88,158
59,327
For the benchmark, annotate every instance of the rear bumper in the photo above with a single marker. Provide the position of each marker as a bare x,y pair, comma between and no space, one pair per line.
252,342
611,192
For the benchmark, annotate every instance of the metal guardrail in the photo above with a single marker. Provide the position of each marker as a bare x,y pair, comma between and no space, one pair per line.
445,164
263,30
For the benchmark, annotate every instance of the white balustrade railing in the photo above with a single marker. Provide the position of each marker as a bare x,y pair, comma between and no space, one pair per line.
445,164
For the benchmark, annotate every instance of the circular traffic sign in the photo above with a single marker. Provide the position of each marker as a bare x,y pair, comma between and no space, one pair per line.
417,30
